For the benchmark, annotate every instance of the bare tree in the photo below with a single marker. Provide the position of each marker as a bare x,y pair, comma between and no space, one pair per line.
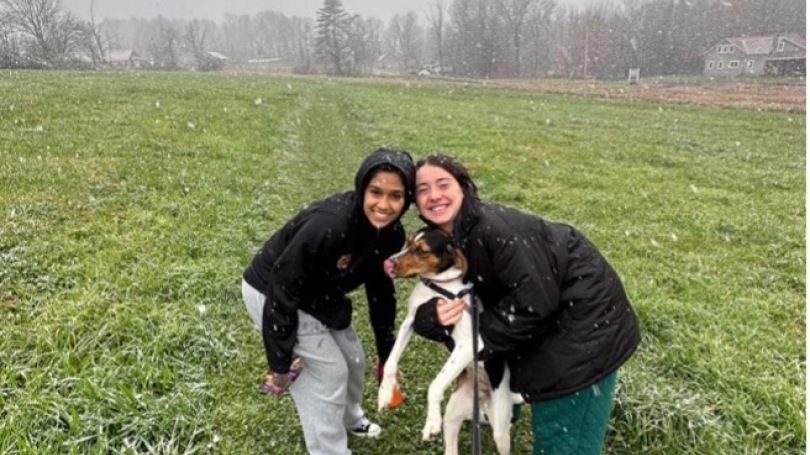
96,42
598,39
195,37
198,34
435,17
404,40
10,48
164,44
475,29
411,39
514,14
52,32
270,37
460,38
365,43
302,52
238,36
391,40
541,38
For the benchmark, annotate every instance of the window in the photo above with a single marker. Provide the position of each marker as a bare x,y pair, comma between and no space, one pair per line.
719,65
719,49
711,65
731,49
749,64
781,46
734,64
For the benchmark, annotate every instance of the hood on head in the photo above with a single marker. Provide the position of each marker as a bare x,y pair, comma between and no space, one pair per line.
398,160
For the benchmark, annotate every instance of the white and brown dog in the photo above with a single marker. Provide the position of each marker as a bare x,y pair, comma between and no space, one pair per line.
440,265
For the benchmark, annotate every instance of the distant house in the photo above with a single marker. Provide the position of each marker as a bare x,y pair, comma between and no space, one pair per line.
216,55
757,56
435,68
263,61
269,64
80,59
205,61
125,58
214,60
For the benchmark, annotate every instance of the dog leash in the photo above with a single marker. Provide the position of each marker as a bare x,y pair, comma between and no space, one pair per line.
476,430
476,417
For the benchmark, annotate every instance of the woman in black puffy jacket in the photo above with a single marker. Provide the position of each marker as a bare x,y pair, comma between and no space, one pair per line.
553,307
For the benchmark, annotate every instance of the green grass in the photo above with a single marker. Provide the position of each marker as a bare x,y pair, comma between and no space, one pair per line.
130,204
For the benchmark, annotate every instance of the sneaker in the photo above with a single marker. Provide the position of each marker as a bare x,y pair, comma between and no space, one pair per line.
366,429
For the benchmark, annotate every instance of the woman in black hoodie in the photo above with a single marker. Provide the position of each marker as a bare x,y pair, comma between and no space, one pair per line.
296,290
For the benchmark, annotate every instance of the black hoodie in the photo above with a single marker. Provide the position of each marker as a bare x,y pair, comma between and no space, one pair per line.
326,251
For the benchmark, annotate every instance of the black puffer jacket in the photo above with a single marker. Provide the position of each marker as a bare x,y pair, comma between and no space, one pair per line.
553,306
326,251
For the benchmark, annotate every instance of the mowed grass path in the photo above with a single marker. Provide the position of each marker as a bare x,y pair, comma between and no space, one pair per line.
130,204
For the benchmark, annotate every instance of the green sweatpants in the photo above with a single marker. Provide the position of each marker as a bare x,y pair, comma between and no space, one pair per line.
574,424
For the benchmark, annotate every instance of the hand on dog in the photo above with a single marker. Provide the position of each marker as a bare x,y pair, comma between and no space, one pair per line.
449,312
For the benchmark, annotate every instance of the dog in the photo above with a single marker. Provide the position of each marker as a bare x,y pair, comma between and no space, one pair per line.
441,266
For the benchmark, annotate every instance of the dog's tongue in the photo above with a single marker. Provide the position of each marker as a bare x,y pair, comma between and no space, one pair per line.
388,266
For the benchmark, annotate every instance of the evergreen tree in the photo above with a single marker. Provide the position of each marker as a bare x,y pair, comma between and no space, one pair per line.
331,40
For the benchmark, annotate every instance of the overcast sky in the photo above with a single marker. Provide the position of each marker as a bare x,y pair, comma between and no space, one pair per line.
216,9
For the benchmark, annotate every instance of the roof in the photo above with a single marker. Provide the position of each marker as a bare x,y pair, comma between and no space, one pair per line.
796,39
217,55
754,45
84,57
264,60
123,55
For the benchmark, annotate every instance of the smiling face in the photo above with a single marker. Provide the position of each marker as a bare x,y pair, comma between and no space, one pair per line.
438,196
384,198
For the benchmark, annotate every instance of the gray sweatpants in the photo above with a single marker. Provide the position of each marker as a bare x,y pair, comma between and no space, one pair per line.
329,392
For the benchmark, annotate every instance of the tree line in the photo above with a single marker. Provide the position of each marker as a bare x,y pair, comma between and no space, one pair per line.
471,38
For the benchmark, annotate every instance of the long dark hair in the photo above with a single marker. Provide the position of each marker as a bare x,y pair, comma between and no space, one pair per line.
454,168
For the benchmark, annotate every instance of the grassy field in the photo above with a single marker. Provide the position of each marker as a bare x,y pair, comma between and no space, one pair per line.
130,204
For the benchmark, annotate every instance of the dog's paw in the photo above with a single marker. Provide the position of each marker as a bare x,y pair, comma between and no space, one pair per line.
386,392
432,428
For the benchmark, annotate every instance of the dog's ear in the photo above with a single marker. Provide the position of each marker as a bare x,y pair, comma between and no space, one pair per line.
459,260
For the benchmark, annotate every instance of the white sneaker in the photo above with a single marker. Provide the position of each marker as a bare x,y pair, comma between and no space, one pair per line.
366,429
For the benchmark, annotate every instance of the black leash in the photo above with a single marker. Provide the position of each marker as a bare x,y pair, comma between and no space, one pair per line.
476,430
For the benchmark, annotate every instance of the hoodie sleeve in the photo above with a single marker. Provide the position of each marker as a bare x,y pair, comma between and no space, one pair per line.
381,294
286,284
523,269
279,324
382,309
